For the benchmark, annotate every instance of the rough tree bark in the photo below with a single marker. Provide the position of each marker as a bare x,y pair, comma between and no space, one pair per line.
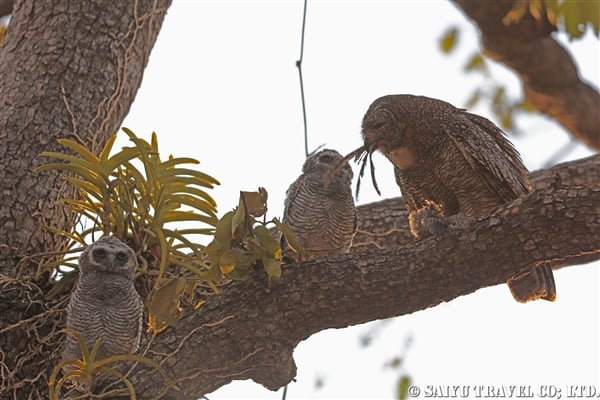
67,69
249,332
71,69
550,78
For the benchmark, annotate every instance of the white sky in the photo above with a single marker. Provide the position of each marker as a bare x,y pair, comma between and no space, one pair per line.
222,86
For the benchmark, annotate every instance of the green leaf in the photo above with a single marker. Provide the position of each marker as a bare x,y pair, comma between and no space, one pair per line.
195,192
173,161
273,269
214,252
180,216
118,159
164,309
84,185
255,202
403,384
267,242
553,11
448,40
238,219
476,63
176,234
235,264
84,172
573,23
223,230
289,236
196,203
200,178
168,179
79,149
103,156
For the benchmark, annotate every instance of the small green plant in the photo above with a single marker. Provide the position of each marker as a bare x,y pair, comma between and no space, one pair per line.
85,369
573,16
136,196
241,240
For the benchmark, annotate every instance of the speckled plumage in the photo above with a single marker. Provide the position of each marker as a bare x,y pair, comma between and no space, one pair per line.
319,210
104,303
453,163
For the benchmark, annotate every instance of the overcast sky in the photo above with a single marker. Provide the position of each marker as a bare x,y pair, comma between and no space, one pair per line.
222,86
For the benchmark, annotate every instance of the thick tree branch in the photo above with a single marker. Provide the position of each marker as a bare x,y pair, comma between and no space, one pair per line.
549,75
249,332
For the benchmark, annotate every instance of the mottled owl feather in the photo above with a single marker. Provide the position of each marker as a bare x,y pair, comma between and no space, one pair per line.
450,163
104,304
321,211
480,142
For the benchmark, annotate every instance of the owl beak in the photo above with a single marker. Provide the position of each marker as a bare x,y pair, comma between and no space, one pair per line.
111,263
370,144
370,140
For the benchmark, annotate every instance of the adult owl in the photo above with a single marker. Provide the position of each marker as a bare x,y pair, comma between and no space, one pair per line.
451,164
104,304
319,208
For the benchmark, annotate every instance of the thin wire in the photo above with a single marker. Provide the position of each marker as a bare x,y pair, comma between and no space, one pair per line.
284,395
299,66
306,153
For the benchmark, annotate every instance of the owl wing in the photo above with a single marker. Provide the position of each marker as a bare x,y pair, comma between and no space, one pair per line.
485,147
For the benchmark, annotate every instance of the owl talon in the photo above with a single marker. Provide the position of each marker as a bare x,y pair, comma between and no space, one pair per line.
428,221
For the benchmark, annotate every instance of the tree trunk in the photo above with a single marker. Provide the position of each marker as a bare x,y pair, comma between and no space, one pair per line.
67,69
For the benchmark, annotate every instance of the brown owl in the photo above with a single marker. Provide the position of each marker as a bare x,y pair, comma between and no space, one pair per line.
319,209
450,164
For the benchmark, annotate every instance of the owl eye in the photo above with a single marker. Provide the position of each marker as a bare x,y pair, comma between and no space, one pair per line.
122,256
377,124
99,254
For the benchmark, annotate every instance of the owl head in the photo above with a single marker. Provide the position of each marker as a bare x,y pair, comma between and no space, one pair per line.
324,161
383,127
394,121
108,255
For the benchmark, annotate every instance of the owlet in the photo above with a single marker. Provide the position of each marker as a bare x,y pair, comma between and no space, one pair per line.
104,304
319,209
